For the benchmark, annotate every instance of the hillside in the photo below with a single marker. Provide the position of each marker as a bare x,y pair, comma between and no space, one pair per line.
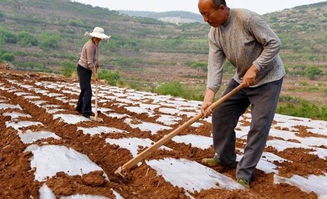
45,35
303,31
177,17
49,151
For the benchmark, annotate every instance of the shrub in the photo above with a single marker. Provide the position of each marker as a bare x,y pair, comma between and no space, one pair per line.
76,22
177,89
27,39
313,71
2,16
7,36
124,61
68,68
49,40
301,108
112,77
200,65
7,56
171,88
33,66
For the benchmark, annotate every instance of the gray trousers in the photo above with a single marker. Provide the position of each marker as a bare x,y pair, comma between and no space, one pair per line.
263,100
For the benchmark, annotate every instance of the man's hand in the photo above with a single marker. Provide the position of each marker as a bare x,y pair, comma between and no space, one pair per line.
250,75
208,99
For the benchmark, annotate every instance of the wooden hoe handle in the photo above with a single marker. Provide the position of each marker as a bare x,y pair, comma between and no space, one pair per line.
169,136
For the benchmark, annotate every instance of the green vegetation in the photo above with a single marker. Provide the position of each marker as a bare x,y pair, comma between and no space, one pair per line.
198,65
7,56
49,40
7,36
177,89
68,68
33,66
23,38
119,43
27,39
112,77
301,31
301,108
2,16
312,72
125,62
76,22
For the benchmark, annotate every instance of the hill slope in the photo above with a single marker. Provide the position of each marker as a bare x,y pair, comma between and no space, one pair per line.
42,34
50,151
178,17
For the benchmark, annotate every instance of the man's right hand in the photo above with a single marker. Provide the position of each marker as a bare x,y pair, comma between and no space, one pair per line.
249,77
208,99
205,110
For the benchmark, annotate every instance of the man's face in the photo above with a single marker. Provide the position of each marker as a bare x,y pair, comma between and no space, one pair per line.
214,16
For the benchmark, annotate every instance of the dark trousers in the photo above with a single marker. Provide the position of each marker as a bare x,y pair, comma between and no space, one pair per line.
84,100
263,100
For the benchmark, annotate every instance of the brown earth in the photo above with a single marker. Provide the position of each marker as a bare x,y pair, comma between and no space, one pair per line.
17,177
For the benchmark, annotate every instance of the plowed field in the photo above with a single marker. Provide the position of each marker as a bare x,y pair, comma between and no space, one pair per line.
47,150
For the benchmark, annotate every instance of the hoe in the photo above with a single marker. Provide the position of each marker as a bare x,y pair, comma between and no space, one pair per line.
131,163
95,117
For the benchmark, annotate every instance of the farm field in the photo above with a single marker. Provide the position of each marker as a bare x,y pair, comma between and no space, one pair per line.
47,150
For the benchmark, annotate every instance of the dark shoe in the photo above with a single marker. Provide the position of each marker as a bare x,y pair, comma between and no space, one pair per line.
88,114
78,110
212,162
244,183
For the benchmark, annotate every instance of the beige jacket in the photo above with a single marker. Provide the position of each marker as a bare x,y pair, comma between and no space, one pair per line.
89,55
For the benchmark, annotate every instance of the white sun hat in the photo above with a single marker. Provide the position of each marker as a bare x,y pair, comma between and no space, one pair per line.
98,33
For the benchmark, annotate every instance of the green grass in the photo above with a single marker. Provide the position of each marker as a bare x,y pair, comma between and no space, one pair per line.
298,107
112,77
178,90
68,68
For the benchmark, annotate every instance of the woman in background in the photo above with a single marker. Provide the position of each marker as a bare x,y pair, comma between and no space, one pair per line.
88,64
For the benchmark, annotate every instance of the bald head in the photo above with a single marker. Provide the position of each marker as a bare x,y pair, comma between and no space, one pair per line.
214,12
214,3
219,2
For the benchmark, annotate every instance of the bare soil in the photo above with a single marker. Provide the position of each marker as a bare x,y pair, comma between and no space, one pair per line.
17,176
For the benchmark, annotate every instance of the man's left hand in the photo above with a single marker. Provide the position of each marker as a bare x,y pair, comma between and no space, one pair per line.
250,75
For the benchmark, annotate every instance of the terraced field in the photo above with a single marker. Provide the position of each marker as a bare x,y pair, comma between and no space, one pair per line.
47,150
